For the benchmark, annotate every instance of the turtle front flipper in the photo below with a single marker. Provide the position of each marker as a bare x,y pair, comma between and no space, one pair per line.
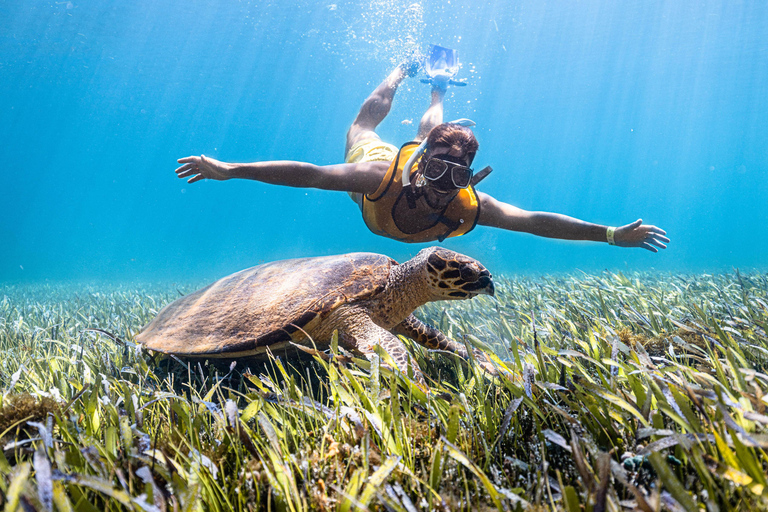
429,337
361,334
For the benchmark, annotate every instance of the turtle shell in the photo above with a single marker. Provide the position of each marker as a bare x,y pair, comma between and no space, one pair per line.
267,305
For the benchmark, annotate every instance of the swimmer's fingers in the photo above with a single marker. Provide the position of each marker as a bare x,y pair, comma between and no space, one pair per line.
187,170
197,168
656,233
651,242
655,241
641,235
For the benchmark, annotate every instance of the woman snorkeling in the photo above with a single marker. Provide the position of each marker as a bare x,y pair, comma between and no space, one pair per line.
425,191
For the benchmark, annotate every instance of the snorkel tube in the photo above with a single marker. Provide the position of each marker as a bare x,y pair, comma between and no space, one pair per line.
406,176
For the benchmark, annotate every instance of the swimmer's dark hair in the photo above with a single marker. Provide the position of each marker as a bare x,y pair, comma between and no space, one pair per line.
455,137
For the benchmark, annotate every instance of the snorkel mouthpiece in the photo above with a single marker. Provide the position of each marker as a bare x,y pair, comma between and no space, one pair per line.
423,147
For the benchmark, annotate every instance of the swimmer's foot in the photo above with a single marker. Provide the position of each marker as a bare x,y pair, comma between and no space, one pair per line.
412,65
440,82
441,67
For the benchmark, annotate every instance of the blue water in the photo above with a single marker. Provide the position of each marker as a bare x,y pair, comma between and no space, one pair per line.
606,111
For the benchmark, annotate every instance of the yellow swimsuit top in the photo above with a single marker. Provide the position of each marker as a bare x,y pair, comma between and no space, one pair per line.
390,210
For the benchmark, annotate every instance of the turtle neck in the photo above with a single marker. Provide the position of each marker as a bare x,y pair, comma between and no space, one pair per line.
406,290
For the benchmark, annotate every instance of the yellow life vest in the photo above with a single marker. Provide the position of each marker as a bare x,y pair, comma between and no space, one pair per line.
390,211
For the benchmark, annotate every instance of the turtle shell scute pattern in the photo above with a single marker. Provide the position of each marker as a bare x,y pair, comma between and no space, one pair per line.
265,305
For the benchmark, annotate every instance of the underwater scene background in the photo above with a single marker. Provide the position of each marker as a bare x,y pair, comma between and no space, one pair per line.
605,111
599,378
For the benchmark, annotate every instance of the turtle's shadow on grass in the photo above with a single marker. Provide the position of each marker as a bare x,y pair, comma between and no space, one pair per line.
199,375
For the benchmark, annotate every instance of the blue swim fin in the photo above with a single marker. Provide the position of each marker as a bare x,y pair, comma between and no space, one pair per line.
441,66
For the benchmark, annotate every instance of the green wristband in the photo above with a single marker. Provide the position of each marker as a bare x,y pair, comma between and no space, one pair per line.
609,233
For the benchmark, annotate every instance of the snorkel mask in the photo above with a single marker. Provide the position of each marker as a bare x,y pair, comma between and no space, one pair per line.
447,173
419,152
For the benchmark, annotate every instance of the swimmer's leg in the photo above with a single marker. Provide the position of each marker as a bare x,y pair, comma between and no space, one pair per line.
376,107
434,114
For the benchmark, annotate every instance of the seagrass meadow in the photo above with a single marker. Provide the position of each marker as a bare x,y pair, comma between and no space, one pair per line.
637,391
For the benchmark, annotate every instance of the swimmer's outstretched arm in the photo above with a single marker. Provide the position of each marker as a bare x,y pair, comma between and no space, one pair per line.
362,177
498,214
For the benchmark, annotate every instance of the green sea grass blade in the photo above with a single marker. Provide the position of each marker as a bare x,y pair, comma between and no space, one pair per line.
377,479
60,498
619,402
19,478
748,462
460,457
571,499
353,487
671,483
383,431
436,471
106,488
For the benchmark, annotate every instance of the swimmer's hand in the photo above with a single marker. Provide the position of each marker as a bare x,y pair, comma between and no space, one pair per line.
201,168
642,235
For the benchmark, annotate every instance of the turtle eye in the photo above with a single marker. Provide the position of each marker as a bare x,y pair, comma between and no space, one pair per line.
469,274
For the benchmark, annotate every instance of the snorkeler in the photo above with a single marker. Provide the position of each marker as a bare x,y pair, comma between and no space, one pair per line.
425,191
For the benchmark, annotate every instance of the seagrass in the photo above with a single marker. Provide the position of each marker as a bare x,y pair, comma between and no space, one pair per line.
614,391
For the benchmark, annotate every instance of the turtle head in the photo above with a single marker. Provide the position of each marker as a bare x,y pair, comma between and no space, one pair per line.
453,276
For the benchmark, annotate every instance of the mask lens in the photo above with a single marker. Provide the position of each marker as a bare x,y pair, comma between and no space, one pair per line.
435,168
444,183
461,176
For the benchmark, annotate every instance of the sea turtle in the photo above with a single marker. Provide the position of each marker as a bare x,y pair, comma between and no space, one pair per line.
368,298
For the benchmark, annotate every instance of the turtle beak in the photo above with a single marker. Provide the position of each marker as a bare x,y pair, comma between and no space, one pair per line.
483,285
489,289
